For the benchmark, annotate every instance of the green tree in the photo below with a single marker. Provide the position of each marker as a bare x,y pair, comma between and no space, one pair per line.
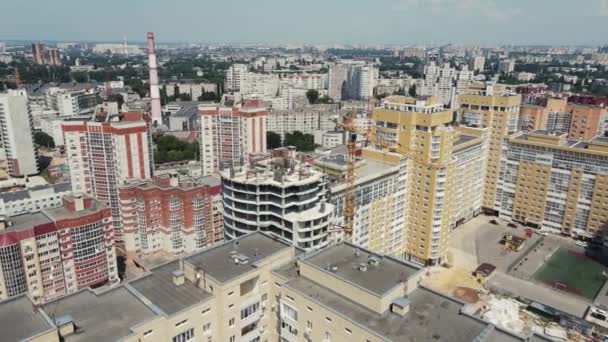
302,142
412,90
312,95
273,140
43,139
176,91
209,96
171,149
325,99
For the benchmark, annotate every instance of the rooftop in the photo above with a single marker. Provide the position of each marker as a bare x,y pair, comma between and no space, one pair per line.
431,317
27,193
62,213
218,262
106,316
159,288
463,138
376,279
19,319
188,110
26,221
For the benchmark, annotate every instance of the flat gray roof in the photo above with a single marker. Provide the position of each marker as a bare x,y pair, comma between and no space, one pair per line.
431,317
377,279
26,193
19,319
188,110
159,288
27,221
107,316
463,138
218,263
61,213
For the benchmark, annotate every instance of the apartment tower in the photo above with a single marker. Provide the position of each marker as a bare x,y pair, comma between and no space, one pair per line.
103,154
231,133
17,127
496,108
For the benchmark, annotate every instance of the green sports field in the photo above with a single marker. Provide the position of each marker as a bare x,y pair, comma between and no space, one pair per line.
573,272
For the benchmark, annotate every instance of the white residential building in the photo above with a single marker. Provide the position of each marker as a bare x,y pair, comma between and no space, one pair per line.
478,63
236,78
306,119
16,126
33,199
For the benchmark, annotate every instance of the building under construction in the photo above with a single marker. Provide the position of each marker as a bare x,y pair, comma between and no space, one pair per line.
279,194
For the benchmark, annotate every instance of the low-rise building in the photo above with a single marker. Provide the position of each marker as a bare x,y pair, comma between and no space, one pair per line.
58,251
257,288
171,215
33,199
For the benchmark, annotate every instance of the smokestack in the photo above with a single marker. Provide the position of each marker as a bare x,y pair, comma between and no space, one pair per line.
154,90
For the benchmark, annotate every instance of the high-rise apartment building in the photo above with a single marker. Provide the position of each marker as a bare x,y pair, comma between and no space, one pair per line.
231,133
495,108
555,183
278,195
171,215
478,63
236,78
421,132
586,121
102,155
45,56
255,289
17,129
506,67
338,74
58,251
380,195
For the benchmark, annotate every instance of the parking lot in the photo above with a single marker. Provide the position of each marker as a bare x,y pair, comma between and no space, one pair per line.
480,240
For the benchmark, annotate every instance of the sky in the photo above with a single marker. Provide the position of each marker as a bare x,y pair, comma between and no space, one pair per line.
487,22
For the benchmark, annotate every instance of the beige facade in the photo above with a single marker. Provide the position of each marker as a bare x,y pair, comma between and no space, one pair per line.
497,109
255,289
421,132
555,183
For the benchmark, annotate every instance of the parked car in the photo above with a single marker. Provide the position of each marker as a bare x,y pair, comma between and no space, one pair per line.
540,232
512,225
493,222
582,244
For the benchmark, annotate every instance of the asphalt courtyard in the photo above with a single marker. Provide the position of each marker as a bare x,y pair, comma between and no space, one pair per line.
479,240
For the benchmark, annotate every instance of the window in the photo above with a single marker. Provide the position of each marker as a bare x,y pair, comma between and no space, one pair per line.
327,336
181,323
207,328
250,310
231,322
309,324
328,319
232,338
205,311
147,332
186,336
289,312
348,331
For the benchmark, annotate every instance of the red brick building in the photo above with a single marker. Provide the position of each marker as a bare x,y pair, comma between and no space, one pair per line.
57,251
171,215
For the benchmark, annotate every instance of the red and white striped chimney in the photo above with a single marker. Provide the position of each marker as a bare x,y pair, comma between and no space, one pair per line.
154,90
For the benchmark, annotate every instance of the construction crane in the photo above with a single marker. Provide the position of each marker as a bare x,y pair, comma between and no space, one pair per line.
351,145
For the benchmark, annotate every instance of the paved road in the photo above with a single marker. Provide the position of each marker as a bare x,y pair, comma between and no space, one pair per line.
518,287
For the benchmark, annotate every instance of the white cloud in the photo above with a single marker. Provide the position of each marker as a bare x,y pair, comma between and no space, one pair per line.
487,8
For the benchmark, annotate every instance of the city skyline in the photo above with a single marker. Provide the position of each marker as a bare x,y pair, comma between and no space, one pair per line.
366,22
